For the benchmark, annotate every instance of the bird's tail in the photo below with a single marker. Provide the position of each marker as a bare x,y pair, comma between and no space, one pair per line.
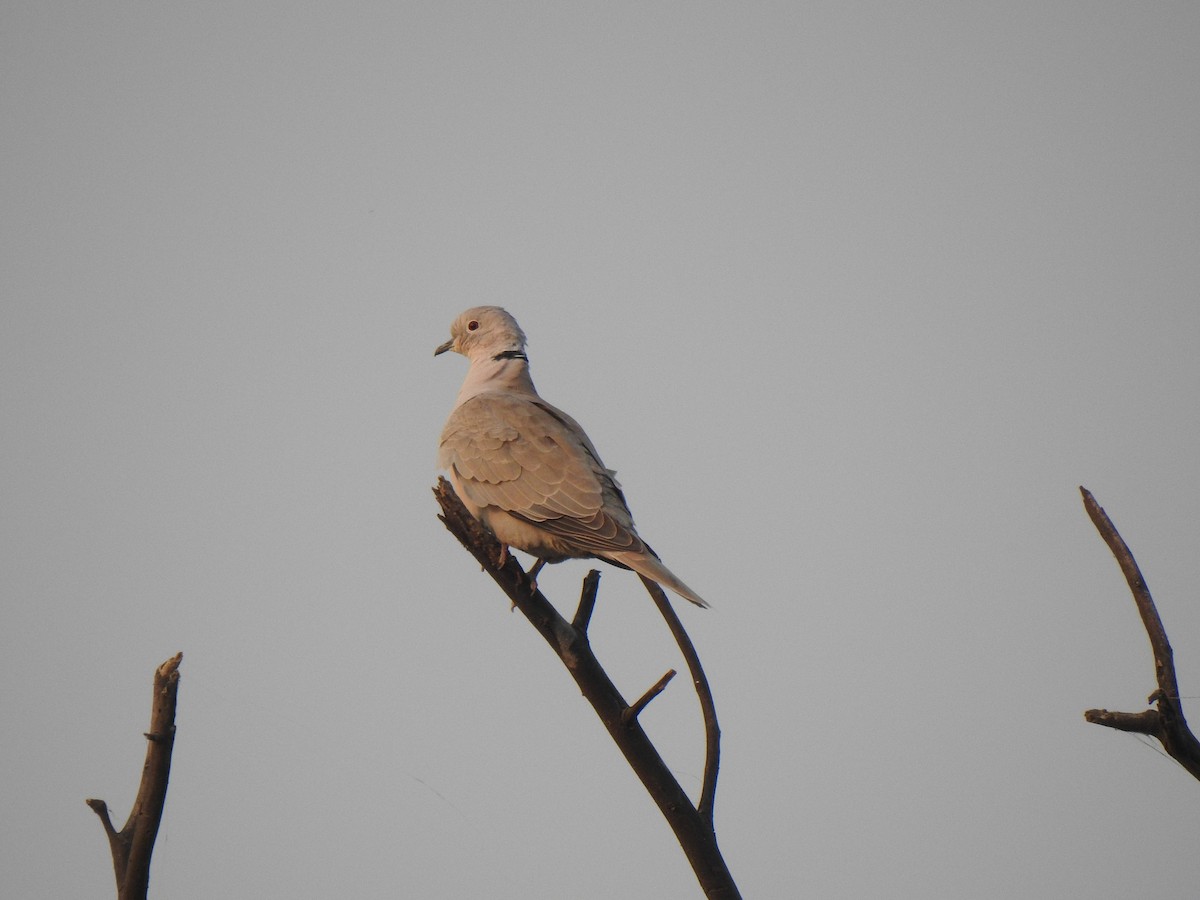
646,563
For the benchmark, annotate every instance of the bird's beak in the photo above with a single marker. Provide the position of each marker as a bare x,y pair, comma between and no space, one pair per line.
449,345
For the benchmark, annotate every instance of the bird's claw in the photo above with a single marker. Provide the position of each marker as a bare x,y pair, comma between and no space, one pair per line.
532,575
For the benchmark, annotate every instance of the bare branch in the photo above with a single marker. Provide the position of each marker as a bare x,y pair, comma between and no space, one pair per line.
116,847
587,601
643,701
712,732
694,831
1145,722
133,845
1167,722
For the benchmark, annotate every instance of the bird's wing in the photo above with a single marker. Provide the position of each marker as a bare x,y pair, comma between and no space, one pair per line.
533,461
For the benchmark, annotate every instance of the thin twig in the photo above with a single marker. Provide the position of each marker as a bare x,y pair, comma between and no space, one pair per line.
118,849
1164,656
1166,722
712,731
635,710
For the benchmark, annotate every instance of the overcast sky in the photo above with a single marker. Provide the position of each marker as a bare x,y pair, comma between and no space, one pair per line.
853,296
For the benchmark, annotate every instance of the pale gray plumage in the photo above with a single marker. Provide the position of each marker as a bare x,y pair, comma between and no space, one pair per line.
525,469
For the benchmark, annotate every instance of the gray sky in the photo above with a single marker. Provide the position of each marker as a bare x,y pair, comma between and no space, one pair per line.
853,296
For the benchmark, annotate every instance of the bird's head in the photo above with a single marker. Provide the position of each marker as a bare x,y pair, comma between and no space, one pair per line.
485,332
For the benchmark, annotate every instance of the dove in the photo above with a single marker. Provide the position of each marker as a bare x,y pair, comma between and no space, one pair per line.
525,469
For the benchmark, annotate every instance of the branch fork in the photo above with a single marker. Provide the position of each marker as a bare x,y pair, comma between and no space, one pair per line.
132,846
692,824
1166,721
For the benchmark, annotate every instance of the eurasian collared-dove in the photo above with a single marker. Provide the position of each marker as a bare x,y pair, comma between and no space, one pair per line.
526,470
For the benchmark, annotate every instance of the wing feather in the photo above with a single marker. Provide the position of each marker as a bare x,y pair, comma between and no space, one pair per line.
533,461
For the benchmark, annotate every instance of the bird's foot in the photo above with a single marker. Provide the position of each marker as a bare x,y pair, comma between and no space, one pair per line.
532,575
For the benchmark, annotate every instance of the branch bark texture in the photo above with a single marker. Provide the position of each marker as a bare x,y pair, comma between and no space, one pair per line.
133,845
569,640
1166,721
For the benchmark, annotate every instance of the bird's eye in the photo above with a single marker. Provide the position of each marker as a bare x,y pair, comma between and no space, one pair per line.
472,325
